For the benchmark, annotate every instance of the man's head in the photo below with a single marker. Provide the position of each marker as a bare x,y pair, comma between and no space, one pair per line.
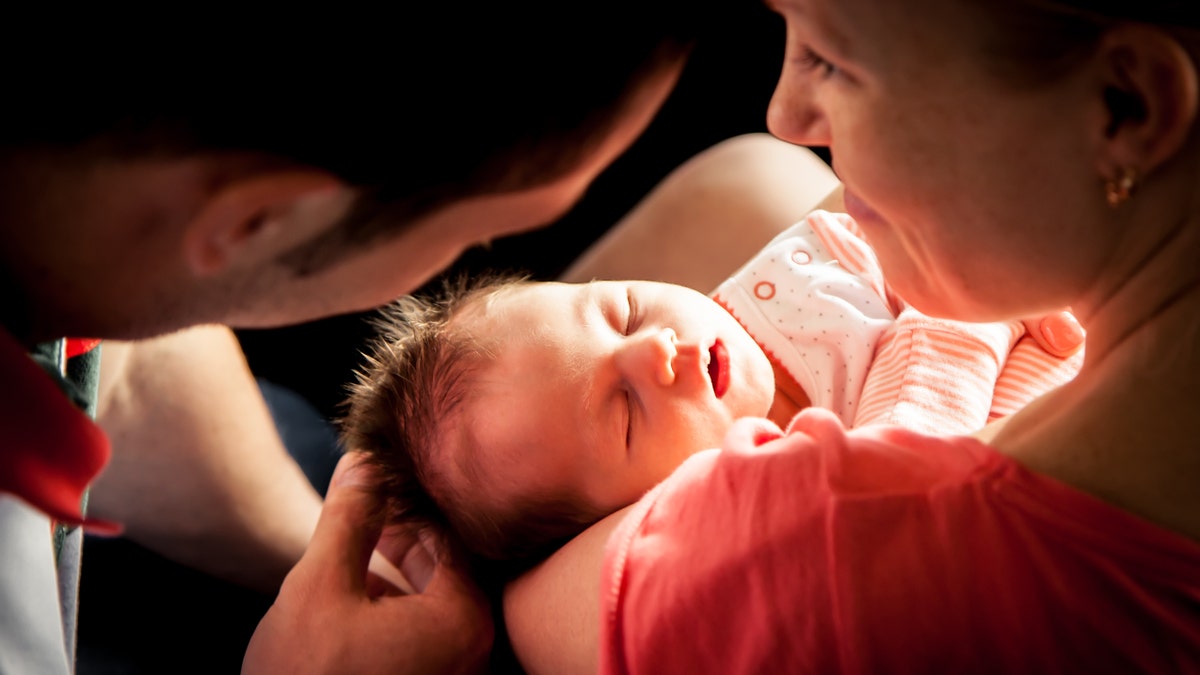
161,182
518,413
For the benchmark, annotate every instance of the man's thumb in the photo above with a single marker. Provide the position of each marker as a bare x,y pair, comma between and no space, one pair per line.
350,522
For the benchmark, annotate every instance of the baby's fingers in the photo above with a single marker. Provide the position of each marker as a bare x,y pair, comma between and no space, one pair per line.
1059,333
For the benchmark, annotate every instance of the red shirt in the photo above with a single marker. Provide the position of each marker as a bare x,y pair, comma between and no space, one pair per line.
881,551
51,449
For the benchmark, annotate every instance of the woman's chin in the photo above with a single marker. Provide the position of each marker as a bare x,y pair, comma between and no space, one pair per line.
858,209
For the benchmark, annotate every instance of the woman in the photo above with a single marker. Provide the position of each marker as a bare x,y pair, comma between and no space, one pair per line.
1004,159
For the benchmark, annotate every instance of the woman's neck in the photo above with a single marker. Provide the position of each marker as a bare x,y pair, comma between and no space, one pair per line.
1126,429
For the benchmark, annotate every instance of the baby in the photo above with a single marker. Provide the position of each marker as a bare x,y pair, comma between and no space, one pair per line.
515,413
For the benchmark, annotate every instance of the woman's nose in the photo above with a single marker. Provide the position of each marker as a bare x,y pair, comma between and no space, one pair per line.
649,356
793,115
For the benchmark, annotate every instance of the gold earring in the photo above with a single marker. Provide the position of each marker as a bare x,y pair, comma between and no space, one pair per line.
1118,190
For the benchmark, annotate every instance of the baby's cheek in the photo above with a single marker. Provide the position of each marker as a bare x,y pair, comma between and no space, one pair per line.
705,431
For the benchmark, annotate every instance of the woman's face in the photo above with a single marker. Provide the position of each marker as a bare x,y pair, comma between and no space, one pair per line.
978,194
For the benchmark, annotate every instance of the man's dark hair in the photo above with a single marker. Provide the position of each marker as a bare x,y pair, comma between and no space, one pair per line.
415,106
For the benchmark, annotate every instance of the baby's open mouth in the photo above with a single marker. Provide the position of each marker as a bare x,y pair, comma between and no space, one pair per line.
718,368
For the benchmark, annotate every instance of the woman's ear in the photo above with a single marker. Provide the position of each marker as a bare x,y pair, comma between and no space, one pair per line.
1150,98
250,218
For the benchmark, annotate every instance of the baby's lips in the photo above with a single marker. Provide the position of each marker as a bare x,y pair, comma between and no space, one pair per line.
718,368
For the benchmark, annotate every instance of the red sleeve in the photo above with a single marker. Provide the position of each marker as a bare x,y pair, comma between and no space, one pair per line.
881,550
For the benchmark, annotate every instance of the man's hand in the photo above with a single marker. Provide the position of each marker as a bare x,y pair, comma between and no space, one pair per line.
327,619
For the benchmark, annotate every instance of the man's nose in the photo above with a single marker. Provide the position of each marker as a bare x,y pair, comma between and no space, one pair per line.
649,356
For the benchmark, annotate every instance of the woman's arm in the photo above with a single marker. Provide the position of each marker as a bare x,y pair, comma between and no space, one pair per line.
553,611
714,212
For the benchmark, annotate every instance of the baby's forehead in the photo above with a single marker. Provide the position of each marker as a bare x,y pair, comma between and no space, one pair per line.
518,340
521,340
497,304
515,314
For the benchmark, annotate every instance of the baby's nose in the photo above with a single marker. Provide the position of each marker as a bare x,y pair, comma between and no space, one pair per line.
651,355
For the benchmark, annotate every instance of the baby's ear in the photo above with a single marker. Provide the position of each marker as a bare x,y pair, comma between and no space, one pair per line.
254,219
1149,94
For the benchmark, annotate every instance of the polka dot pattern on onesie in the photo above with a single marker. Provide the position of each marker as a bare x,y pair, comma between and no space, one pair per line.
818,318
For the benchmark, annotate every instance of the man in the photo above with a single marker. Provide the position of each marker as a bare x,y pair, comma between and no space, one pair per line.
269,175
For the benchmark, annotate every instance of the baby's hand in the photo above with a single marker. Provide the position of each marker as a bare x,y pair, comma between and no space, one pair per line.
1059,333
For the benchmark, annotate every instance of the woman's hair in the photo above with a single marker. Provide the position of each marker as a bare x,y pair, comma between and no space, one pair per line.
412,104
1165,13
1036,41
407,401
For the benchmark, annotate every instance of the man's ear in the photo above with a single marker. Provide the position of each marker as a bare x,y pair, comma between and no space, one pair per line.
1150,98
249,217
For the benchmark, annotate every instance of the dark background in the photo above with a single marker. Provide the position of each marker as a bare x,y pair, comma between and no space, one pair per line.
139,613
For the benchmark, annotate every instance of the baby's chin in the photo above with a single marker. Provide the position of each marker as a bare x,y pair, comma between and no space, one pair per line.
756,403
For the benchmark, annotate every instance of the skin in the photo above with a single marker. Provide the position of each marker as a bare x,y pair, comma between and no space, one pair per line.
620,371
172,458
940,161
927,206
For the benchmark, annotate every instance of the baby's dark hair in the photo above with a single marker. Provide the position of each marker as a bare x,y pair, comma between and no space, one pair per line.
407,401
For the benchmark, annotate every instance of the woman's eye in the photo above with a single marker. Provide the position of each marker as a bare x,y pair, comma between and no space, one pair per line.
811,61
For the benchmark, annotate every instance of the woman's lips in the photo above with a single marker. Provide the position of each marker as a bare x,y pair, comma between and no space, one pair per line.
856,207
718,368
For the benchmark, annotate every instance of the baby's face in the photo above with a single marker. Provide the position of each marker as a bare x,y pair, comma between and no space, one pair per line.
602,389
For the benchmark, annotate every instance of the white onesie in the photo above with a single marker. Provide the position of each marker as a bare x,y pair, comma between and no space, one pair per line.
814,300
